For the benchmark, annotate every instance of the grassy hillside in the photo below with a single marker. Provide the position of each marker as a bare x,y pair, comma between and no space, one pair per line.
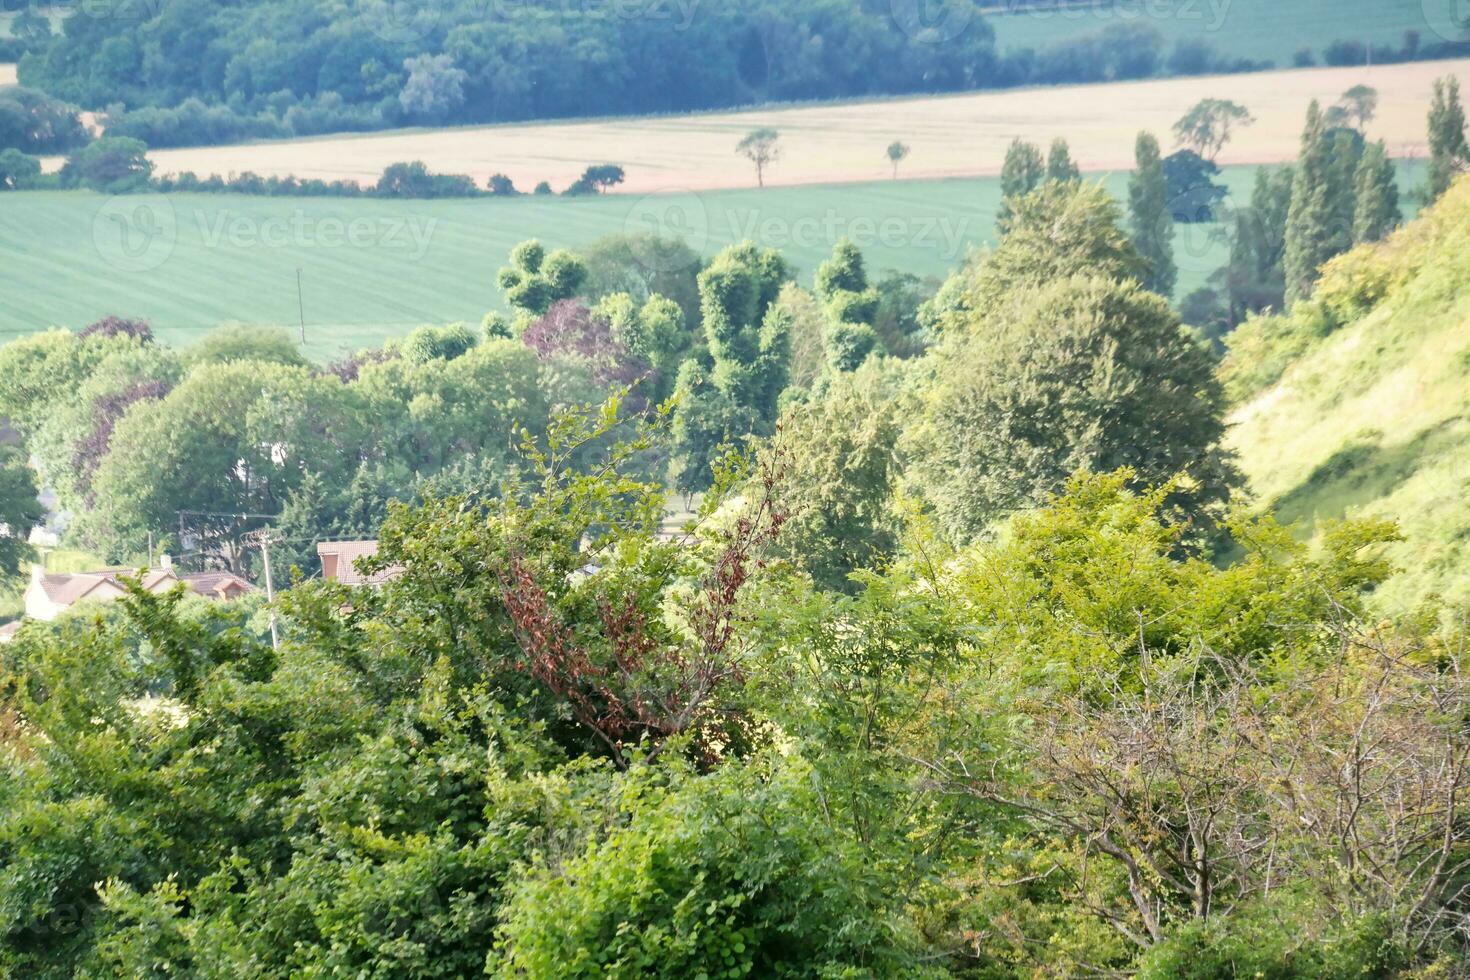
1370,414
1267,29
223,258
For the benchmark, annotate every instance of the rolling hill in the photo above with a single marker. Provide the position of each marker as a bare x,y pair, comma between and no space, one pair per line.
950,136
1358,404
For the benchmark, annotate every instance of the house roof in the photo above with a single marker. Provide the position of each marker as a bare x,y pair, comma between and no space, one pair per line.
339,562
65,589
215,583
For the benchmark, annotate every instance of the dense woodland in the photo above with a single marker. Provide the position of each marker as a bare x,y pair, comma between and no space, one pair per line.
216,71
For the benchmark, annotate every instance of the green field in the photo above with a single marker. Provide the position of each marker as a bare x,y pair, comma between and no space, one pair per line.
1261,29
371,269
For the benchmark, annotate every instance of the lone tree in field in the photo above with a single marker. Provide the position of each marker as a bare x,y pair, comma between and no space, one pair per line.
897,151
1448,152
759,147
1207,127
596,179
1356,108
1151,224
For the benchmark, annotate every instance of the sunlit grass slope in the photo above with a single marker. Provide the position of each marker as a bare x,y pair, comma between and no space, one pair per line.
1370,414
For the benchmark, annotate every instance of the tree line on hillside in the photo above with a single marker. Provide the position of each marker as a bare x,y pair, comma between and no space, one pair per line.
960,667
1342,191
120,165
207,72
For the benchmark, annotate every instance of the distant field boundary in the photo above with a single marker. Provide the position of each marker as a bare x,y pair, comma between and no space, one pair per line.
951,136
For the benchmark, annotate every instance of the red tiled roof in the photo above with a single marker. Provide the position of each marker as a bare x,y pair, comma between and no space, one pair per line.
215,583
339,562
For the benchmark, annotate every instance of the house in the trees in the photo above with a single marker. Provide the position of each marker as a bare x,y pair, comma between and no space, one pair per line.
51,593
339,563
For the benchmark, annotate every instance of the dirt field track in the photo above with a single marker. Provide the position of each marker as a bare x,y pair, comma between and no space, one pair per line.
7,75
950,136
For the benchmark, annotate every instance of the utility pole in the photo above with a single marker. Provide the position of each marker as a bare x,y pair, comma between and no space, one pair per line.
270,590
300,306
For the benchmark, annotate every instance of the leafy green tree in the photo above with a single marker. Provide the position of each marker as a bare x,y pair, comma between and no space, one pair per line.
1084,372
229,443
1376,208
239,342
596,179
1023,171
1347,146
851,306
535,279
1059,165
1255,275
1208,126
654,334
1313,231
431,343
1054,231
1448,151
1151,224
738,873
111,165
1194,197
760,147
18,171
1356,108
427,415
31,26
20,510
434,88
730,393
841,469
644,265
898,151
42,369
75,433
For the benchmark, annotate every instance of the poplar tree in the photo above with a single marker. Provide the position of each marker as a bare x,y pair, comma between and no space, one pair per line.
1151,223
1059,165
1021,174
1376,211
1448,152
1310,233
851,306
729,393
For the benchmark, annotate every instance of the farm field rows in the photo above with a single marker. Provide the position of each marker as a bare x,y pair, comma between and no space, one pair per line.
950,136
1258,29
371,269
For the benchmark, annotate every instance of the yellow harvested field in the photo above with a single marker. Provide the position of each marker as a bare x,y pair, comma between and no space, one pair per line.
950,136
7,75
